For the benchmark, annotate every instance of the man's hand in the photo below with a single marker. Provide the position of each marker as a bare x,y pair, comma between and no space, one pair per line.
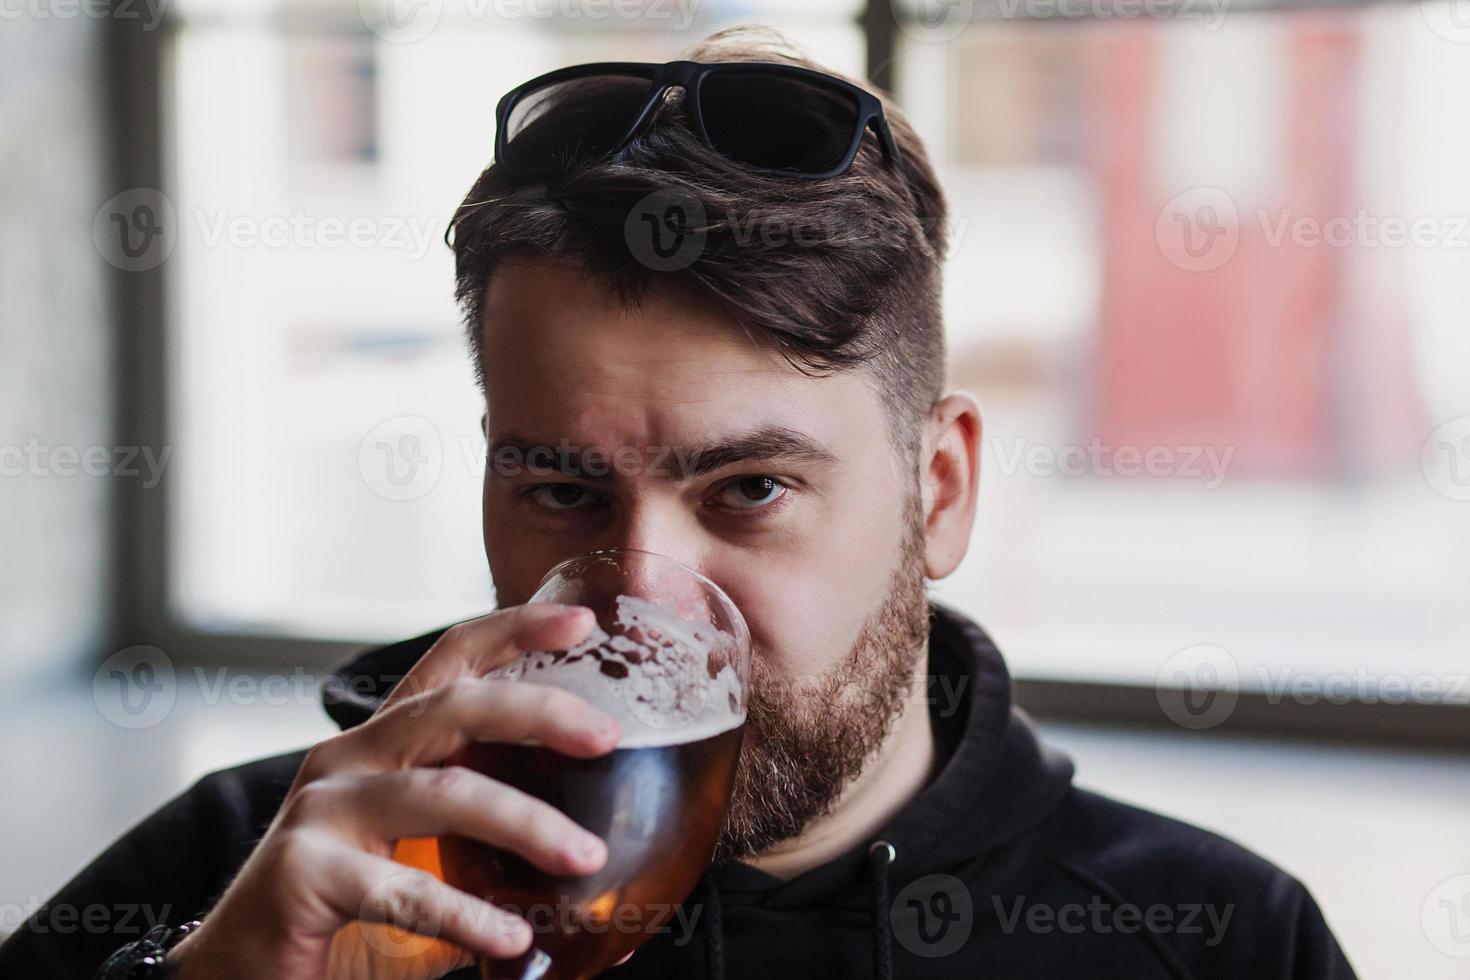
312,899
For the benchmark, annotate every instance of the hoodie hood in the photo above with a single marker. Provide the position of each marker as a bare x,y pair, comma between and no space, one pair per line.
996,781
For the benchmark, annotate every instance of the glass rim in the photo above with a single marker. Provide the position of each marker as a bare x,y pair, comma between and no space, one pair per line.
738,619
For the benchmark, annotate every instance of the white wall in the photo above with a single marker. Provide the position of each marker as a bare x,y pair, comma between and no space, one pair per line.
54,341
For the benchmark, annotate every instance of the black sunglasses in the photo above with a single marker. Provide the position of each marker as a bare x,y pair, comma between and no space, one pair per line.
774,118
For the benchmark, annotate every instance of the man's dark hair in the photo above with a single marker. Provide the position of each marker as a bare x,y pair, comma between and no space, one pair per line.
852,278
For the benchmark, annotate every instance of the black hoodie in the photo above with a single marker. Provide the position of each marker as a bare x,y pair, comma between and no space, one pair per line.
999,868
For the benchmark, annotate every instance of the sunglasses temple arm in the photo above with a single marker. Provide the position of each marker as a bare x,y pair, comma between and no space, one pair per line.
885,139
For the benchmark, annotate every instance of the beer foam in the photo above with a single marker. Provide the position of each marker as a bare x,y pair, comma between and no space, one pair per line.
653,676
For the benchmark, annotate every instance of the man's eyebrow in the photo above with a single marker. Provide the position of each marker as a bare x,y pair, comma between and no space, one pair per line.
764,444
769,442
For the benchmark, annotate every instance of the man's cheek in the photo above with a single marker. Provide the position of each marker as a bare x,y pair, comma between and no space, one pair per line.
789,639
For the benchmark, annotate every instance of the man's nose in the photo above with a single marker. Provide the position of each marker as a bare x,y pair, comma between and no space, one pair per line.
669,535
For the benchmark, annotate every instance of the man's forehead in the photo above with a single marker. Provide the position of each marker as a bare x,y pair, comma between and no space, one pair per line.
556,321
562,360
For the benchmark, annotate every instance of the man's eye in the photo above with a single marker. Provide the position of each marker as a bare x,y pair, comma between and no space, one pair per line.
560,496
750,492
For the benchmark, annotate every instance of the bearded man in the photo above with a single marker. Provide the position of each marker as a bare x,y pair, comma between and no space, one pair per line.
733,269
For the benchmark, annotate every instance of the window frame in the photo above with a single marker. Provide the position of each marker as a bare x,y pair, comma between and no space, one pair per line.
140,611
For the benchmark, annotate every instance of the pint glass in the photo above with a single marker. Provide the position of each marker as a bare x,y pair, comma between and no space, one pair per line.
669,658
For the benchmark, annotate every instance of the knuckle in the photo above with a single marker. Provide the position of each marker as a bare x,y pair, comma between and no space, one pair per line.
551,703
311,802
412,903
456,695
454,635
454,785
322,758
295,849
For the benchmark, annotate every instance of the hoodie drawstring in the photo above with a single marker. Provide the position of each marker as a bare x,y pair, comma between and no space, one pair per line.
881,855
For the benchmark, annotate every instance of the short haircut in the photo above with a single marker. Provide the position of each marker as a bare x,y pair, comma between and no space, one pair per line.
854,283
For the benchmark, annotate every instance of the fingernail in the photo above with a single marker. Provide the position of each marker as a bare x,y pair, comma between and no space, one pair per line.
518,930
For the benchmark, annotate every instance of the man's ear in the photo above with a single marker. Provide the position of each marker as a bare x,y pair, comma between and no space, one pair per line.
949,479
485,425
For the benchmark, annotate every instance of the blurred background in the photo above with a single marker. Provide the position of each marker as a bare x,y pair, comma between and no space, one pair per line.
1210,281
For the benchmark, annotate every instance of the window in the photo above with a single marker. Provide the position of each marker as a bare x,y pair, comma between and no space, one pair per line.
1208,281
326,426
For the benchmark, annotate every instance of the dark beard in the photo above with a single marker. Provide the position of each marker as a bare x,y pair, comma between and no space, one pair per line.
805,745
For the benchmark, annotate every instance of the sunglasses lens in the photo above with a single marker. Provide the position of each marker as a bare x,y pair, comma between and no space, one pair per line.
777,121
559,125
